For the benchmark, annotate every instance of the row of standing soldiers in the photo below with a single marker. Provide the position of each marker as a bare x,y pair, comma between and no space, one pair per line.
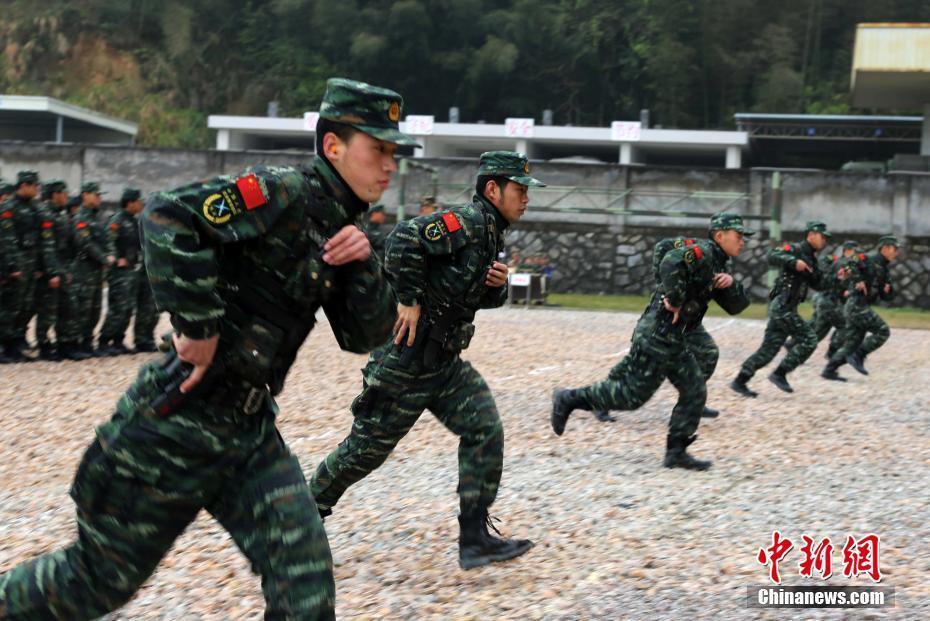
55,255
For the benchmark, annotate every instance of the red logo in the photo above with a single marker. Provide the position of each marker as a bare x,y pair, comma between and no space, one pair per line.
48,224
773,554
819,558
861,557
451,222
251,191
6,215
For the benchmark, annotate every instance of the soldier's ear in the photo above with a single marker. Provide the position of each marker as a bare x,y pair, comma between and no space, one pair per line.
333,147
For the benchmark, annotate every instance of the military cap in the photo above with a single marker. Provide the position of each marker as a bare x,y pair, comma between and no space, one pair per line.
725,221
55,185
26,176
816,226
370,109
850,245
91,186
510,164
6,187
130,194
379,208
888,240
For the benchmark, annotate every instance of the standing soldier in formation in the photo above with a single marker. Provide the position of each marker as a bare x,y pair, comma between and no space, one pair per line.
10,275
243,263
828,302
26,222
868,282
444,267
799,270
123,280
53,307
700,342
374,228
691,276
94,256
147,314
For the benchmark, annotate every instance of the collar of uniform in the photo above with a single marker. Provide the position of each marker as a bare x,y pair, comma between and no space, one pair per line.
720,257
806,248
877,256
334,185
501,221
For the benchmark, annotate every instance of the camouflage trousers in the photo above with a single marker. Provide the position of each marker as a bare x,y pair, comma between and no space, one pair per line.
55,309
784,321
88,293
653,359
129,291
144,480
26,297
828,313
457,395
9,309
861,320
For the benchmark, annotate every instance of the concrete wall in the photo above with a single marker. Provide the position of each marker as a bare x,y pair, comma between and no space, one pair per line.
594,252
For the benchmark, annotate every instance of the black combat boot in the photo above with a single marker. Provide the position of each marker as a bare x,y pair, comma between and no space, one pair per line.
48,352
778,377
710,413
564,402
117,349
739,385
676,455
830,373
603,416
857,361
71,350
12,352
324,512
478,547
145,348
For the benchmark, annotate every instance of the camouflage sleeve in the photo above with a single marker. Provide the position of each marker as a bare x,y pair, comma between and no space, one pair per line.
117,246
363,317
658,253
413,241
782,256
494,297
676,269
48,247
84,240
733,299
182,231
9,251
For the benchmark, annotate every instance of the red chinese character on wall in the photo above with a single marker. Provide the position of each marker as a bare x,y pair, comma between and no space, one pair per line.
819,558
861,557
773,554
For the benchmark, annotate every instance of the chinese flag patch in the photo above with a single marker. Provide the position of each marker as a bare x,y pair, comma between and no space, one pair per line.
698,253
786,247
451,222
48,224
81,225
114,227
689,242
6,215
251,192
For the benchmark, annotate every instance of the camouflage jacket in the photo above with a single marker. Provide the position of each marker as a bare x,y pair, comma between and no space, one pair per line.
56,241
662,247
791,286
440,260
26,223
90,238
10,259
377,237
830,266
873,270
686,277
241,256
123,230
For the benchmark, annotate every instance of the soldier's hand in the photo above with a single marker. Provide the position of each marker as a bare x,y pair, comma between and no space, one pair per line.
122,262
110,259
16,275
349,244
198,352
54,283
497,275
723,280
860,286
801,266
674,310
842,273
407,319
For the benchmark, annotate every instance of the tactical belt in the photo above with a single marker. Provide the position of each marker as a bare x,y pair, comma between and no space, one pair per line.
240,396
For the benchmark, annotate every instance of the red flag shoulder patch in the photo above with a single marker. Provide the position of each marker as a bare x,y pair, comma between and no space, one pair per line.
452,223
786,247
689,242
81,225
698,253
6,215
114,227
48,224
862,256
251,191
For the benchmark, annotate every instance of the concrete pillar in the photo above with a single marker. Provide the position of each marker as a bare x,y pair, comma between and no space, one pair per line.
628,153
734,157
424,151
521,146
60,129
901,203
925,134
222,140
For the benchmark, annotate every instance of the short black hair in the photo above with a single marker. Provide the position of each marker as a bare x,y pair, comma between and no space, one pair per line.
482,182
325,126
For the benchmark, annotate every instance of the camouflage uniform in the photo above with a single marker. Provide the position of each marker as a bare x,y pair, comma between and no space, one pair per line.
377,235
790,290
440,262
238,257
10,261
26,222
93,248
662,350
123,281
146,314
861,319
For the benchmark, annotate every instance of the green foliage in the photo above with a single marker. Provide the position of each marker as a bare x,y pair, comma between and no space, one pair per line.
168,63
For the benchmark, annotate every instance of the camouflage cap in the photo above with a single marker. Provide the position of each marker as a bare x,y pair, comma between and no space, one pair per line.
816,226
6,187
130,194
850,244
725,221
55,185
26,176
371,109
510,164
91,186
888,240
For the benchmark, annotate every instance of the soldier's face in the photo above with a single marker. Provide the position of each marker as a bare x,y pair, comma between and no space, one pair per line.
511,202
889,252
90,199
134,207
817,240
848,252
28,190
365,163
730,241
59,199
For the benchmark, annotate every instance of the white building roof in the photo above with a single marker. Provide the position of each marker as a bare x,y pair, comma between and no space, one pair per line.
24,117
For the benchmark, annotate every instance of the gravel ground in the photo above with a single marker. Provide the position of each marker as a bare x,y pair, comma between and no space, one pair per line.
618,536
